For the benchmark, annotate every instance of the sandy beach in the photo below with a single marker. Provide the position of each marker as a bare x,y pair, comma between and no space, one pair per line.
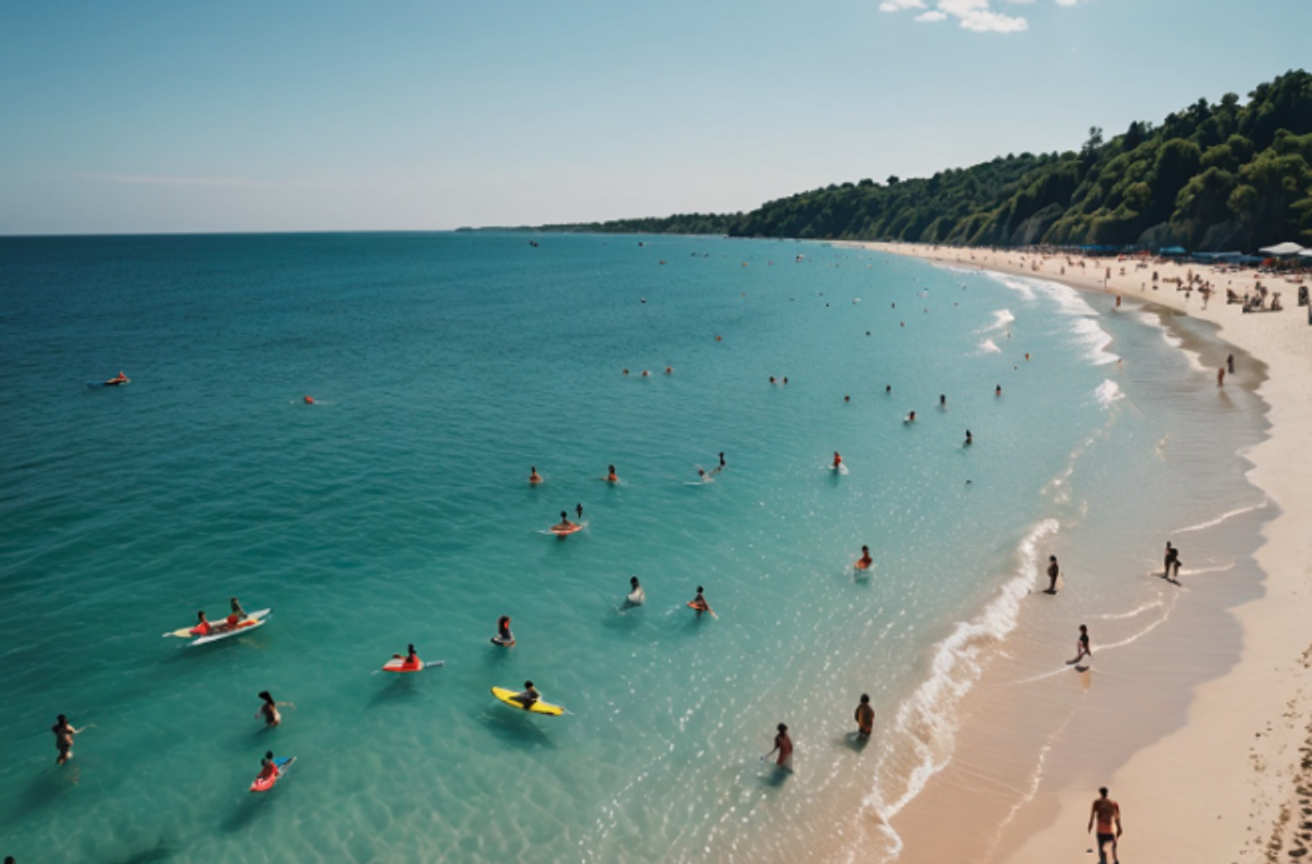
1221,771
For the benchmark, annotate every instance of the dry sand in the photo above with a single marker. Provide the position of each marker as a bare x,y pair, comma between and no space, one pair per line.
1227,775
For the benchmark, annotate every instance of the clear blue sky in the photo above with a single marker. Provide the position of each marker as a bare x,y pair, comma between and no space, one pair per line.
174,115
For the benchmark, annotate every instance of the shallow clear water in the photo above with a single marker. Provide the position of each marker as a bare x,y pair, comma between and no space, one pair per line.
396,509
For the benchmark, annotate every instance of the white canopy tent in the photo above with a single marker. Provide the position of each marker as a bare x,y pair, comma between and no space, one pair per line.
1281,250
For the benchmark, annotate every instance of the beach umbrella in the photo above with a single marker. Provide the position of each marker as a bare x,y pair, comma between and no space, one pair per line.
1282,250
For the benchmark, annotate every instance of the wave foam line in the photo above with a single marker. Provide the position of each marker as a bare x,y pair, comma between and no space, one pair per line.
924,723
1238,511
1084,327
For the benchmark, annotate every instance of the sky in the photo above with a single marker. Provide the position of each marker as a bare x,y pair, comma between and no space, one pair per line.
312,115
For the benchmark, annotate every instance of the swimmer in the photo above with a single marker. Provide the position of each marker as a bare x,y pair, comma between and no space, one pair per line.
626,371
970,439
534,478
1081,646
911,418
637,596
564,524
942,400
888,389
309,400
772,381
785,379
646,373
847,398
783,745
203,628
578,508
528,695
64,733
269,709
611,476
865,561
865,717
504,637
237,615
669,370
704,477
699,603
997,391
118,379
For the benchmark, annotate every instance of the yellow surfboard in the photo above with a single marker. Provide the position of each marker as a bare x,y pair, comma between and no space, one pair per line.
539,707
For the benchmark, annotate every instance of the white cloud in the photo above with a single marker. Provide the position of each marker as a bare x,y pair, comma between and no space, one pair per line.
974,15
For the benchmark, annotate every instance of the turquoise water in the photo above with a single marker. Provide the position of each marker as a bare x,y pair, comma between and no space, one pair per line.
395,509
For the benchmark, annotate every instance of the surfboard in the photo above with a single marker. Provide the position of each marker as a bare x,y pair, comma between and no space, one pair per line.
565,532
539,707
397,664
264,784
253,620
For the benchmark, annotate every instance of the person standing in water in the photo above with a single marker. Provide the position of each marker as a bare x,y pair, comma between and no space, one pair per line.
970,439
534,478
64,733
504,637
1081,646
783,745
865,560
1107,813
997,391
637,596
564,524
269,709
611,477
1053,572
699,602
578,508
838,461
865,717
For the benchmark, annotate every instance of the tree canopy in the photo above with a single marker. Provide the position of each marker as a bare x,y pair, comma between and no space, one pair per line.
1221,176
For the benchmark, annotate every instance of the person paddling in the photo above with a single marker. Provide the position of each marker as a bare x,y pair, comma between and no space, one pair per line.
528,696
268,768
203,628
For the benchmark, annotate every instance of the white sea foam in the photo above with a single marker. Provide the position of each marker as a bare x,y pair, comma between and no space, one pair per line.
1084,326
988,346
1210,523
925,724
1108,392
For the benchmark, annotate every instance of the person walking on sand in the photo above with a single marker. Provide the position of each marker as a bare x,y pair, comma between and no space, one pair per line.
1106,813
1053,572
865,717
1081,646
783,745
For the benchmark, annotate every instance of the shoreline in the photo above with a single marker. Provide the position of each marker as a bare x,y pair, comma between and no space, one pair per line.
1225,777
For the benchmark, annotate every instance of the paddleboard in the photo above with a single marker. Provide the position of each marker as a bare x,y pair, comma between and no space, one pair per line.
565,532
398,664
264,784
253,620
539,707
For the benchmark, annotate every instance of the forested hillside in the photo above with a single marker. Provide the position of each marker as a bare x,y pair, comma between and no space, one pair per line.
1229,175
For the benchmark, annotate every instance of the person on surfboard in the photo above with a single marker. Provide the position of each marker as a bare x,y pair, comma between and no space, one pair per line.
268,769
118,379
237,615
203,628
528,695
564,524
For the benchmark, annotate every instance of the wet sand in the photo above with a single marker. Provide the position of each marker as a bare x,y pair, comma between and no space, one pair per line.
1217,771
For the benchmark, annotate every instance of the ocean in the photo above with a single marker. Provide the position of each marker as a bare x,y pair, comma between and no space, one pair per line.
395,509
